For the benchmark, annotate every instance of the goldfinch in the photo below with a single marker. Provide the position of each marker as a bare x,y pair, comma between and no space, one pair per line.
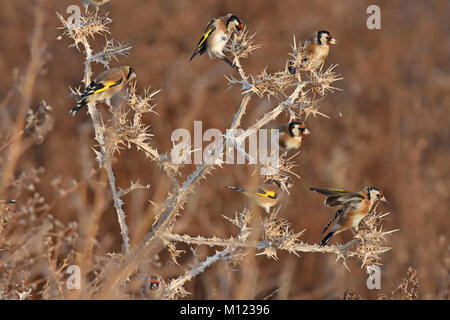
353,208
315,50
265,196
216,35
105,86
155,282
291,136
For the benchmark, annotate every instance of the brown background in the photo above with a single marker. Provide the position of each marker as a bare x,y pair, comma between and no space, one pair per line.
393,132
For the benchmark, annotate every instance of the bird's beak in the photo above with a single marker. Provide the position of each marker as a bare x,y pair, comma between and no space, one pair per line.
11,201
306,131
240,26
383,199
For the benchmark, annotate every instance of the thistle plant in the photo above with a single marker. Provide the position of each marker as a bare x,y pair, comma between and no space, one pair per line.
298,96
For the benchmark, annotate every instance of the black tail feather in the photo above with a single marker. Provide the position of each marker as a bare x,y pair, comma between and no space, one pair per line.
197,51
193,55
328,191
77,108
326,238
230,63
235,188
337,214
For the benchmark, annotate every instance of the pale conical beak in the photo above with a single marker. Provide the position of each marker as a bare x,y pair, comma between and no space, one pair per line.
383,199
306,131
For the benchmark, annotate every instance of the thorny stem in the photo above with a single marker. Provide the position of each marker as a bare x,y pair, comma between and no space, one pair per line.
118,205
274,113
237,119
154,236
179,282
168,216
235,243
200,171
176,286
105,160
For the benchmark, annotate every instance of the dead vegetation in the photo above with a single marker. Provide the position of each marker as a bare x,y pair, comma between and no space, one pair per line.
407,289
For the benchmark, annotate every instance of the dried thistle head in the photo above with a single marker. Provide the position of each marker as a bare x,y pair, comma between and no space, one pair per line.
322,82
372,239
82,27
241,45
281,171
279,235
110,51
141,103
295,61
242,221
272,84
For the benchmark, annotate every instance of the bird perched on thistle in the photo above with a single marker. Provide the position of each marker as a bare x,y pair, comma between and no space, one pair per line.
265,196
353,207
315,50
291,135
215,37
106,85
95,3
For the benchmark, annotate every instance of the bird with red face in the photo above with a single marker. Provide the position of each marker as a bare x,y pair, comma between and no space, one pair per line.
315,50
354,206
291,135
215,37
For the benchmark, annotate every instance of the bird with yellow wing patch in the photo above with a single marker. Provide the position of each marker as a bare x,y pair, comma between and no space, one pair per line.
215,37
106,85
265,195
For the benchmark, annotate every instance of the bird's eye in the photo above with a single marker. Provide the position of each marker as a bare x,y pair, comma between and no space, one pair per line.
378,196
328,38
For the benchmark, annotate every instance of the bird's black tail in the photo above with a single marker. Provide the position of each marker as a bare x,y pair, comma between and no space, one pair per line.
326,238
337,214
77,108
193,55
235,188
230,63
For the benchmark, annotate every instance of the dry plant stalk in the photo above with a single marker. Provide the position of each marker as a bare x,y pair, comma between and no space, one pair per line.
109,138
